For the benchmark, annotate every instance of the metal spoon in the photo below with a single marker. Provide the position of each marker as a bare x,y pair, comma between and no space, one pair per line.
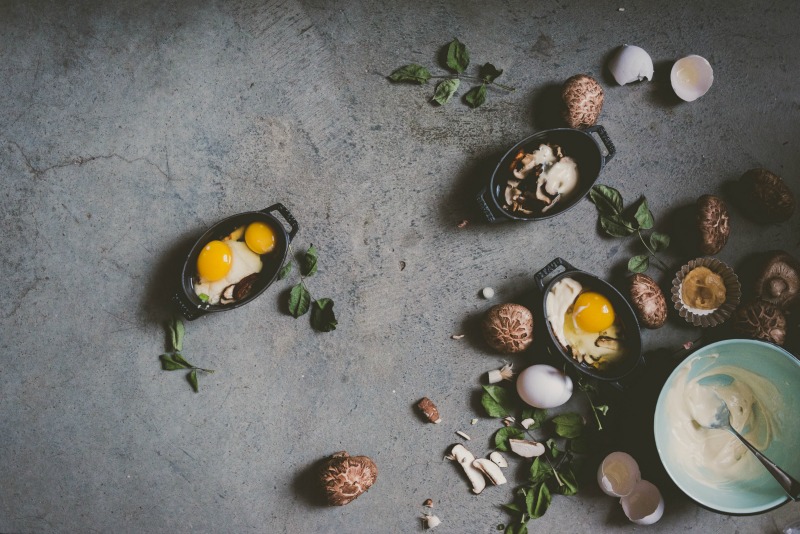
722,420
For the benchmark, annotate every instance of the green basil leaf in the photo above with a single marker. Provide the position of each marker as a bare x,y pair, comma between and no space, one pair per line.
457,56
639,264
169,364
607,199
644,216
517,528
322,317
513,507
538,415
659,241
445,90
579,445
308,265
203,297
489,73
176,330
179,359
411,73
285,270
299,300
569,485
530,501
553,448
192,378
502,436
497,401
542,502
616,226
568,425
475,96
541,470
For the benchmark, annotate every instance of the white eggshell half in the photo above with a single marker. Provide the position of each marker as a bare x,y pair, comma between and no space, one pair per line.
644,505
631,64
544,386
691,77
618,474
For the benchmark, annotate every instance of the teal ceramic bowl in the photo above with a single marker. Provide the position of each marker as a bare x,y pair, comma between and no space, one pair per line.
760,492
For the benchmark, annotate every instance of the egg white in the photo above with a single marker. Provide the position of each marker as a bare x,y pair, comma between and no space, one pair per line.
244,263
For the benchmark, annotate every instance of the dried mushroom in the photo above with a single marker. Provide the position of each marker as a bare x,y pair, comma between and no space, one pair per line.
429,410
345,477
583,97
761,320
539,179
648,301
713,224
767,196
779,280
508,328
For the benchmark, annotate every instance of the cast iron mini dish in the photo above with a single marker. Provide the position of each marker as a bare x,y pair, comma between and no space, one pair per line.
627,318
580,145
186,299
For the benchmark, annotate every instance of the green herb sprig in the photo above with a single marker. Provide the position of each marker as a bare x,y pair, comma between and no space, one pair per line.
174,360
457,61
323,319
615,221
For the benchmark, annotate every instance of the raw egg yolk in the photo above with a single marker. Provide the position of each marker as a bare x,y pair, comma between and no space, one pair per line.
592,312
214,261
259,238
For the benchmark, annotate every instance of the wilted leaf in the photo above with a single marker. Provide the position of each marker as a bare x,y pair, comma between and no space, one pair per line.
457,56
412,73
445,90
285,270
489,73
639,264
476,96
658,241
607,199
644,216
322,317
568,425
192,378
299,300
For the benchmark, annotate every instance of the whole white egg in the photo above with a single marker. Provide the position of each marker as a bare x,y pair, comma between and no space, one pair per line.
544,386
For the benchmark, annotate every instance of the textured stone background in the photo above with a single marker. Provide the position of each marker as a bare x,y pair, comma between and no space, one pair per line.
127,128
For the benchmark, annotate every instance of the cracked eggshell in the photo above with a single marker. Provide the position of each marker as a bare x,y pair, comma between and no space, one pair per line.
631,64
644,505
691,77
618,474
544,386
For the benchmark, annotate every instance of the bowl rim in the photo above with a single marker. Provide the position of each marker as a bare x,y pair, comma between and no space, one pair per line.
753,510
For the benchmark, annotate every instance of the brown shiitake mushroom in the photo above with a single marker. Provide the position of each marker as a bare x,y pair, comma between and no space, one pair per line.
648,301
583,97
779,280
763,320
767,196
345,477
508,328
713,223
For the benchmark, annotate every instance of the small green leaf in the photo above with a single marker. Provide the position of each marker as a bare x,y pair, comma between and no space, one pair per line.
553,448
411,73
445,90
603,409
568,425
489,73
659,241
192,378
299,300
579,445
203,297
538,415
513,507
179,359
502,436
644,216
169,364
607,199
568,486
497,401
541,470
475,96
616,226
517,528
176,330
308,265
639,264
457,56
530,501
322,317
542,502
285,270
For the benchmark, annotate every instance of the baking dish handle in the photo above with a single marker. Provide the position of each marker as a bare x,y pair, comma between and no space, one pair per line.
280,208
603,135
186,308
548,269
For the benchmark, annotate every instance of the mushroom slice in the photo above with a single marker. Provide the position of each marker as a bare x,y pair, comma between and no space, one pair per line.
460,454
498,458
491,470
526,448
227,295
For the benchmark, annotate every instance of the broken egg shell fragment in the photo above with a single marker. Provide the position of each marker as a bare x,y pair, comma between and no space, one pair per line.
631,64
618,474
431,521
644,505
691,77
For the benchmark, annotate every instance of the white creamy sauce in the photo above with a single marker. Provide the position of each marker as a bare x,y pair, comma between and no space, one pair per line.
714,456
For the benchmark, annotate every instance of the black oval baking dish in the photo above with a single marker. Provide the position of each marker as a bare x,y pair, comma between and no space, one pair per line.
185,298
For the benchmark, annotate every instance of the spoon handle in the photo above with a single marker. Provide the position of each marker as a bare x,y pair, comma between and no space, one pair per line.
790,485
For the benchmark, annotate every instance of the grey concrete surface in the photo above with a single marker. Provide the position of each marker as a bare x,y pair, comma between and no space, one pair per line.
127,128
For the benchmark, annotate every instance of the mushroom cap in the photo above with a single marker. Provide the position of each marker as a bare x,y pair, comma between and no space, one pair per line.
763,320
583,97
508,328
713,223
769,198
779,280
345,477
648,301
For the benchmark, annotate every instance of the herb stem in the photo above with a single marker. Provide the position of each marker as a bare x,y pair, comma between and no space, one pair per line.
555,471
594,411
661,264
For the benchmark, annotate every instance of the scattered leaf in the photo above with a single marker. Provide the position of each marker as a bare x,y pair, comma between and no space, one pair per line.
568,486
299,300
644,216
497,401
607,199
322,317
540,471
457,56
192,378
285,270
177,331
542,502
179,359
616,226
445,90
169,364
476,96
639,264
308,265
489,73
659,241
568,425
502,436
411,73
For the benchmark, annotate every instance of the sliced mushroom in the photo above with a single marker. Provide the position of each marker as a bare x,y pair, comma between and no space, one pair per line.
491,470
498,458
227,295
713,223
460,454
779,280
761,320
526,448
